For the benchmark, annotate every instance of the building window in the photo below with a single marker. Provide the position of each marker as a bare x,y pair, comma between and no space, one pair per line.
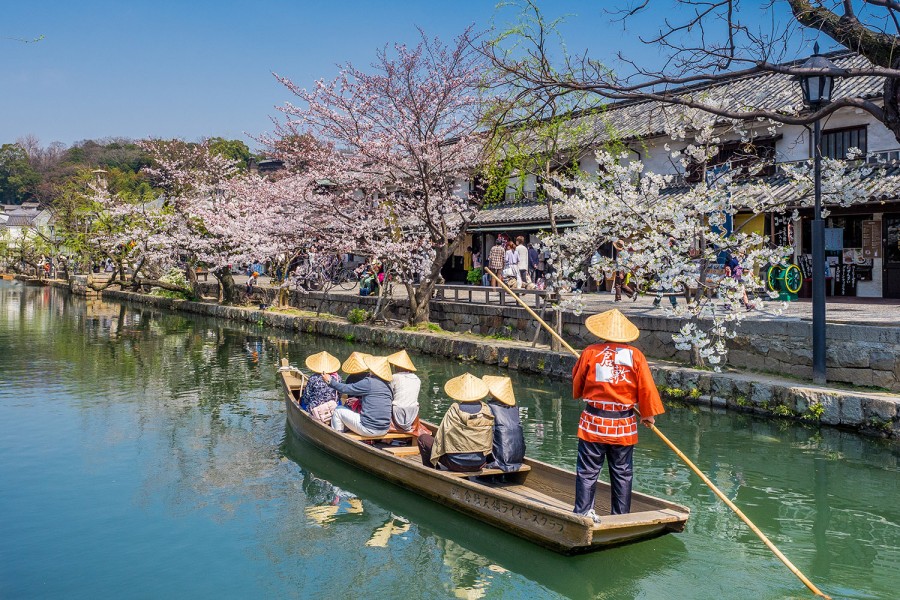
836,142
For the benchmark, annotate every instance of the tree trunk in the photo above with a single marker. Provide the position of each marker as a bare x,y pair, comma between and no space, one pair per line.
190,273
892,103
420,297
226,283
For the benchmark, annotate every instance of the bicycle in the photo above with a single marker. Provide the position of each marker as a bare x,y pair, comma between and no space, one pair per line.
344,278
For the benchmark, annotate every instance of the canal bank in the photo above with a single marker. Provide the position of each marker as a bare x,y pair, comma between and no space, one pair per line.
869,413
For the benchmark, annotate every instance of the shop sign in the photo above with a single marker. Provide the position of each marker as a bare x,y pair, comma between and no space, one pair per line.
871,239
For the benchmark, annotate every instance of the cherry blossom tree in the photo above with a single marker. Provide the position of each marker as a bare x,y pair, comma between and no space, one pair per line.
395,146
671,238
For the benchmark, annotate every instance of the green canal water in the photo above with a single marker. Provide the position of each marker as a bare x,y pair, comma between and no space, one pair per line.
145,454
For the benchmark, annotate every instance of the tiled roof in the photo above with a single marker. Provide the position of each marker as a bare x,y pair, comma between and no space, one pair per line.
771,91
517,212
18,221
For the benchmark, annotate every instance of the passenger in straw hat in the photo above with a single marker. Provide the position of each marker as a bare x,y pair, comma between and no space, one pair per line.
405,385
509,441
355,366
612,378
466,434
374,391
318,393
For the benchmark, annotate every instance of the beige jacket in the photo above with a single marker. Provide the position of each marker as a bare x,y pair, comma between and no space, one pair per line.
462,432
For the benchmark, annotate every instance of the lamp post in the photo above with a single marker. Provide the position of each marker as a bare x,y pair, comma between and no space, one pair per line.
817,89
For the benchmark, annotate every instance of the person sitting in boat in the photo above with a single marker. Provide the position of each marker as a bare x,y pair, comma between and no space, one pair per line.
355,367
612,378
356,370
405,385
318,398
374,392
509,441
466,434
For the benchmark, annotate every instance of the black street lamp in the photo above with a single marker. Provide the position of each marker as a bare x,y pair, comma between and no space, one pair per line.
817,89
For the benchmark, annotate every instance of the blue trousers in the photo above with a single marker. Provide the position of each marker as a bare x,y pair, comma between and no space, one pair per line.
621,473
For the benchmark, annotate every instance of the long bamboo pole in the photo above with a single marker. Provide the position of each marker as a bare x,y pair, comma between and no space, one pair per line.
784,559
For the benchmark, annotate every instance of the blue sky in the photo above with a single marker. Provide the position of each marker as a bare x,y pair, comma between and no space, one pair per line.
197,68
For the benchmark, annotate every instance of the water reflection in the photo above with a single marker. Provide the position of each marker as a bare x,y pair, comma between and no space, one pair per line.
177,422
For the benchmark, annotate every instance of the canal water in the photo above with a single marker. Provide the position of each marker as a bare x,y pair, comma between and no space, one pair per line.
145,454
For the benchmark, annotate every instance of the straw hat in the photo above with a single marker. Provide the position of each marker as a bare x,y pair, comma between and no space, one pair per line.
501,388
401,359
322,363
355,363
466,388
379,366
612,326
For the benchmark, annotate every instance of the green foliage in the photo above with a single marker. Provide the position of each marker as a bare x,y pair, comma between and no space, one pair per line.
694,394
18,180
742,401
882,425
236,150
349,338
782,410
815,411
357,316
474,276
174,277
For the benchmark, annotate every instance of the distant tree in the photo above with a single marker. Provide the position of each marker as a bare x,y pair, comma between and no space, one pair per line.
18,179
235,150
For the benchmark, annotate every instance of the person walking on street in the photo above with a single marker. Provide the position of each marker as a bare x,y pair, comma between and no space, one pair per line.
522,255
511,263
622,283
533,260
612,378
496,258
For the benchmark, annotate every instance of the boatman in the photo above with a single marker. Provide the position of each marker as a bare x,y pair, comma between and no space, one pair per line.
612,378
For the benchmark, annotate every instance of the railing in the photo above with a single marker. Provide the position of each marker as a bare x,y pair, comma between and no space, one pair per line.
474,294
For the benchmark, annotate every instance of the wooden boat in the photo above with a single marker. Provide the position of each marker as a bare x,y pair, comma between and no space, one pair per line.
7,276
534,503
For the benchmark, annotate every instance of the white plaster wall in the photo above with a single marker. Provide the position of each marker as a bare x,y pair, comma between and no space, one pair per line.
795,142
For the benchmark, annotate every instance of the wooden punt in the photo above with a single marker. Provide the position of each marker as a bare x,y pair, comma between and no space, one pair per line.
534,503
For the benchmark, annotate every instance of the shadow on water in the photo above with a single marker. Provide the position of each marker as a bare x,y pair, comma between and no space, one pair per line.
595,575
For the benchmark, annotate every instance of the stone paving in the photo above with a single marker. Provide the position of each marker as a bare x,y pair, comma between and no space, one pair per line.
863,311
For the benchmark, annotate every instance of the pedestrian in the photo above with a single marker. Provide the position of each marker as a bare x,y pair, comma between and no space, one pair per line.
511,264
612,378
496,258
522,255
622,283
533,260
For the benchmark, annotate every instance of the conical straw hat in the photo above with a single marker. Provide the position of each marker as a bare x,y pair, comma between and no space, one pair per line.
401,359
501,388
466,388
379,366
612,326
322,363
355,363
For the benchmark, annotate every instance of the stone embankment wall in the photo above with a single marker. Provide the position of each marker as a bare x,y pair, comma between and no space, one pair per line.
857,354
874,414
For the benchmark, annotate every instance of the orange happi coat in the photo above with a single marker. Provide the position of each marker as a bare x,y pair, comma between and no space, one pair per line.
614,377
